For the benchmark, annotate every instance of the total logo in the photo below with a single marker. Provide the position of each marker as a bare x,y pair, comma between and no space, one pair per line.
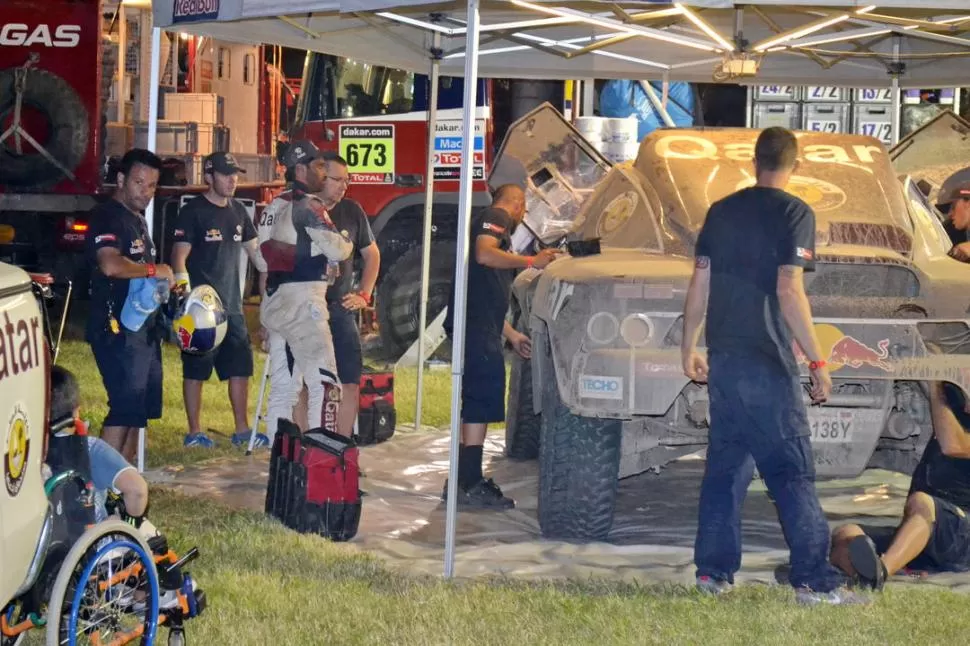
600,387
16,34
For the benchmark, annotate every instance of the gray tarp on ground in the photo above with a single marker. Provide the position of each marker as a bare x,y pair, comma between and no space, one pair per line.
355,29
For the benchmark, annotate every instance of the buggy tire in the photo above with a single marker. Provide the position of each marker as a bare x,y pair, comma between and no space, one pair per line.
522,426
399,295
579,466
68,137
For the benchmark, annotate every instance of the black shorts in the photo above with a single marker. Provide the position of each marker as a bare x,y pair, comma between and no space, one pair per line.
346,344
949,547
234,358
130,364
483,382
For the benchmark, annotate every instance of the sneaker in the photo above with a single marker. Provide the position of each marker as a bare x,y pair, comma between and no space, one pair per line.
710,585
866,562
242,439
200,440
837,597
484,494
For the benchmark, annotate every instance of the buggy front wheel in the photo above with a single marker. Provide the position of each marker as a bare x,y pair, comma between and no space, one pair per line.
106,591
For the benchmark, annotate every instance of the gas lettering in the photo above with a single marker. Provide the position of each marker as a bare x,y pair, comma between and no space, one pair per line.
19,346
16,34
600,387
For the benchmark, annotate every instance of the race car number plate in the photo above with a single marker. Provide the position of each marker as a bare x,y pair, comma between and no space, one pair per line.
831,425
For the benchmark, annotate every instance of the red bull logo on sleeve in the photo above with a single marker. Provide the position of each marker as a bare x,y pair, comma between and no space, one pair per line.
843,350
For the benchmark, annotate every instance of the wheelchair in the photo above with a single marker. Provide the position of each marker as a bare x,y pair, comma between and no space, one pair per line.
100,583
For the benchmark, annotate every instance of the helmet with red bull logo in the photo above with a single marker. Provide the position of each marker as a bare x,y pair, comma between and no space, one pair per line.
200,321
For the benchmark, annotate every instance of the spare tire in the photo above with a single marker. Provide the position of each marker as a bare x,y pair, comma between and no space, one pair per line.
68,130
399,295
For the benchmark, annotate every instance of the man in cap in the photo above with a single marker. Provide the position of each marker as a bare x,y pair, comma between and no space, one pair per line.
211,232
303,250
954,202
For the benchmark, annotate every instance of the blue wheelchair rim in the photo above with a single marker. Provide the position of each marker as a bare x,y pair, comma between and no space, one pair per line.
151,609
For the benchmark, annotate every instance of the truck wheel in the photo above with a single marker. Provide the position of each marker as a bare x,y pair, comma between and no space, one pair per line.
399,295
522,424
54,101
579,466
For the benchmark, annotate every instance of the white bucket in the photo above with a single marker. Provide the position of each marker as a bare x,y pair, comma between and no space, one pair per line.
621,131
621,152
592,128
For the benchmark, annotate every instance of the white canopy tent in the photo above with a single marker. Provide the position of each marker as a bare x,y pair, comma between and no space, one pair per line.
821,42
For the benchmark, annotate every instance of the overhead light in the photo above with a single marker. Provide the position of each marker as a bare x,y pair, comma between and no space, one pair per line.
635,30
414,22
704,26
836,38
809,29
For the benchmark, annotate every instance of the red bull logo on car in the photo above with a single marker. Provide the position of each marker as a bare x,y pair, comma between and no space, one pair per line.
845,350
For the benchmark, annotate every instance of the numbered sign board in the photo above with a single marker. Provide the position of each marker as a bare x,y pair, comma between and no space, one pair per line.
874,121
777,93
369,151
874,95
832,117
825,93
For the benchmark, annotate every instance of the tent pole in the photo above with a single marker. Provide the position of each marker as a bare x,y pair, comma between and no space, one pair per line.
896,94
156,61
428,211
461,273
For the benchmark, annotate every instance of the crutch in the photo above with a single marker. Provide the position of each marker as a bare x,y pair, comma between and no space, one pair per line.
259,407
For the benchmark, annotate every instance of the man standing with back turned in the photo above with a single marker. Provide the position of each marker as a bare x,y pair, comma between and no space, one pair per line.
748,276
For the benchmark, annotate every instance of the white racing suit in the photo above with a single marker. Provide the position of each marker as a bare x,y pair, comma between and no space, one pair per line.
301,252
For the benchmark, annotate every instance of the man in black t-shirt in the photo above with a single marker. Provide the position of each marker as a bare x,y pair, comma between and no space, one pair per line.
935,531
119,246
212,231
491,269
343,302
748,279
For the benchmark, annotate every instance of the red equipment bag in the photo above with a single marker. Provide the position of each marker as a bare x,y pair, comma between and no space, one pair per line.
376,417
313,482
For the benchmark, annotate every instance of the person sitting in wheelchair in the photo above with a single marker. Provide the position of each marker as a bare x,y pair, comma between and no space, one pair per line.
118,488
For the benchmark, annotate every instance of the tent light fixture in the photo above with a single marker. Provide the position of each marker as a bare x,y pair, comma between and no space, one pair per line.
810,28
704,26
414,22
635,30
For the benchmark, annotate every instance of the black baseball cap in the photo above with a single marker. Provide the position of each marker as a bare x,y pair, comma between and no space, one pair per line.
223,163
303,151
956,186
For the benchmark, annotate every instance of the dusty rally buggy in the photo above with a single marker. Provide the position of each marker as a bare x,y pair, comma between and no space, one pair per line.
604,396
85,582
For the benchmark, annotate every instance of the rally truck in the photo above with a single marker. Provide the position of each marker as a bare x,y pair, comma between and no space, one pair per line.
604,396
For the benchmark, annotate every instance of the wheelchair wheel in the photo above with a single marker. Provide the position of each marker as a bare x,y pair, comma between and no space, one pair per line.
106,591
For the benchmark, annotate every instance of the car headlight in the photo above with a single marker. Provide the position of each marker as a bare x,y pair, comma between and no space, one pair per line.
637,330
602,328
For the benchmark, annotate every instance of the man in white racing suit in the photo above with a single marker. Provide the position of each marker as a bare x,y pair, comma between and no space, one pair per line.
302,252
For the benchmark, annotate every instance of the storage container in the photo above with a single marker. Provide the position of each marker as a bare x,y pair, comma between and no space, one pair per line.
827,117
195,106
786,115
874,121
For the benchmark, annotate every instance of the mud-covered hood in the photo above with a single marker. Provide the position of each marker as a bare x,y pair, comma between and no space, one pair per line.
12,278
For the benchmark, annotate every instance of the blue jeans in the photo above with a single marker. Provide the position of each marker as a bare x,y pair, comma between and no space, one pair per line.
757,412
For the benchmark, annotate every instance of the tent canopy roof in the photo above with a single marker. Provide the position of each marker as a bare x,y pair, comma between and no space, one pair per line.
849,43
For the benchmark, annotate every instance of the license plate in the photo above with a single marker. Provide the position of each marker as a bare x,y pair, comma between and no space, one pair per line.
831,425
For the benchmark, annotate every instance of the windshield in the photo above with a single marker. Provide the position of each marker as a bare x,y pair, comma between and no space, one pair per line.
846,179
926,213
365,90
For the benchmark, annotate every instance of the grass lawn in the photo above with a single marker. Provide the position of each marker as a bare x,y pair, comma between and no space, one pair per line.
269,585
165,435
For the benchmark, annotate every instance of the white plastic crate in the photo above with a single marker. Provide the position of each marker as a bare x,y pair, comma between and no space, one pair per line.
785,115
196,106
180,137
259,168
826,94
782,93
874,121
873,95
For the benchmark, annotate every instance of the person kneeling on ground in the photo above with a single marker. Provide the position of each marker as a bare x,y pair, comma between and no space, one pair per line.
935,531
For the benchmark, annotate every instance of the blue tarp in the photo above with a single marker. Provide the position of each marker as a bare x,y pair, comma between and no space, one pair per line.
624,98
